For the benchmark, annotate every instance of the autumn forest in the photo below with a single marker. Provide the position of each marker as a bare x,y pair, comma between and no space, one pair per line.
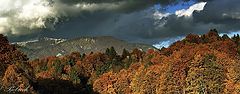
198,64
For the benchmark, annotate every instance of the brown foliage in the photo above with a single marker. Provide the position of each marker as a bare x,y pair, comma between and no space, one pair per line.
197,64
9,54
16,79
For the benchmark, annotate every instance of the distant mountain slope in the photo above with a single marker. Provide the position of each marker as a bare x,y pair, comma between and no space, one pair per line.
55,47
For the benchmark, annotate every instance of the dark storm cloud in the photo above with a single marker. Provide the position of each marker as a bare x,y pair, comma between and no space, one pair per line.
23,17
221,12
133,20
134,2
118,5
44,15
224,15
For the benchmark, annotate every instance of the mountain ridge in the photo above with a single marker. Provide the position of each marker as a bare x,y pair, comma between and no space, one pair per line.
81,44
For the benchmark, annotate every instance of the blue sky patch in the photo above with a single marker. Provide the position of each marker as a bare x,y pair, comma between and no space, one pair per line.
174,8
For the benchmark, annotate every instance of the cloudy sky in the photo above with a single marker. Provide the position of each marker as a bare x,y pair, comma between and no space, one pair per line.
145,21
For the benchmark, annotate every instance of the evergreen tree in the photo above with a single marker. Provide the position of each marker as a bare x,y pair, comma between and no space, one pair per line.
107,52
236,39
225,36
125,53
111,53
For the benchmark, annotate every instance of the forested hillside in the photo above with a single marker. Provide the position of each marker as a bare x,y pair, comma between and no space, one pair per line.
198,64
